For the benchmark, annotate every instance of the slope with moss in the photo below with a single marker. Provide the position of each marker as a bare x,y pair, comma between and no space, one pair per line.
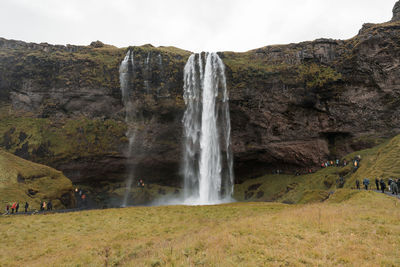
380,161
22,180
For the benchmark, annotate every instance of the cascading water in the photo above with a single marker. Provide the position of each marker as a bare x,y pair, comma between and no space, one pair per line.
208,173
126,70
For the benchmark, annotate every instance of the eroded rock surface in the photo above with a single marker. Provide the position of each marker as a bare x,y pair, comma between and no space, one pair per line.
292,106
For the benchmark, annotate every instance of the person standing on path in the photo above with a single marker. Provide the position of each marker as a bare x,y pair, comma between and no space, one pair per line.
17,207
395,190
14,205
383,186
26,207
358,184
366,183
7,209
377,183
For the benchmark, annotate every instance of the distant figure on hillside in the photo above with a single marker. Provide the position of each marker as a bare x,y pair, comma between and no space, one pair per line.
7,209
83,197
14,205
390,184
355,165
44,205
357,184
337,163
377,183
366,183
26,207
344,163
383,186
49,205
395,190
17,207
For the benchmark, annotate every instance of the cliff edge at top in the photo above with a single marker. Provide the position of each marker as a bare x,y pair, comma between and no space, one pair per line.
292,106
396,12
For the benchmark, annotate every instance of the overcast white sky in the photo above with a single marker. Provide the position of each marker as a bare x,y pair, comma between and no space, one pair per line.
203,25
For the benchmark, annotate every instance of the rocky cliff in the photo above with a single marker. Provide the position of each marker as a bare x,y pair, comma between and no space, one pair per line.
292,106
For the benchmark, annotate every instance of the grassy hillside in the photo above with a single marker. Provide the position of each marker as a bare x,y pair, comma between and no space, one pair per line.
22,180
352,232
381,161
289,188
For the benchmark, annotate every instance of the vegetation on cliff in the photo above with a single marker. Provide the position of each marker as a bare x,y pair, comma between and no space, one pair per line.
380,161
22,180
46,140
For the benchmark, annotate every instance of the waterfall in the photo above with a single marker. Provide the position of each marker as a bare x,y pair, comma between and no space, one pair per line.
207,157
126,71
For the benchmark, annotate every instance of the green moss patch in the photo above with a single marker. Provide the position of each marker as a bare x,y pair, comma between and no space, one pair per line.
22,180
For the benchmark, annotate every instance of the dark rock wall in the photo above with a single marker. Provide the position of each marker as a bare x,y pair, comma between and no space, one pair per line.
292,106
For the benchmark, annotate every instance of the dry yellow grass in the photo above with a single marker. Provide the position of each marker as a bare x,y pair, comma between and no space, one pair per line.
363,230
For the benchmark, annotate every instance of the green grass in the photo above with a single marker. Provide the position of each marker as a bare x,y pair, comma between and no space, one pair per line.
18,176
353,230
381,161
289,188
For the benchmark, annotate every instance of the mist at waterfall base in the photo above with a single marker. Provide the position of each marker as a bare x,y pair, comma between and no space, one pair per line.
207,163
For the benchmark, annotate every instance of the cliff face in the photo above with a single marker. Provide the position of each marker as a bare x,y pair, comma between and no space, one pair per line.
292,106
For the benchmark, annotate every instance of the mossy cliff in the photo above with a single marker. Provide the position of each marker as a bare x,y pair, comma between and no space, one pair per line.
61,106
22,180
292,106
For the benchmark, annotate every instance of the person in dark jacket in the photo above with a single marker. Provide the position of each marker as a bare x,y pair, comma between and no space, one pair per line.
17,207
357,184
383,185
366,183
395,190
390,184
377,183
26,207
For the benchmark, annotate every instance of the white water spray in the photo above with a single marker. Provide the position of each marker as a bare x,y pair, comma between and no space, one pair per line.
125,73
208,173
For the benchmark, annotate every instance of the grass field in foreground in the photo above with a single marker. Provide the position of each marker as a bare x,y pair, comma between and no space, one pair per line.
354,228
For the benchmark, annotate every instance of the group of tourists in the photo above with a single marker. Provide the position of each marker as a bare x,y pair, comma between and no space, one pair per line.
140,183
44,206
344,163
15,207
80,197
333,163
394,185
